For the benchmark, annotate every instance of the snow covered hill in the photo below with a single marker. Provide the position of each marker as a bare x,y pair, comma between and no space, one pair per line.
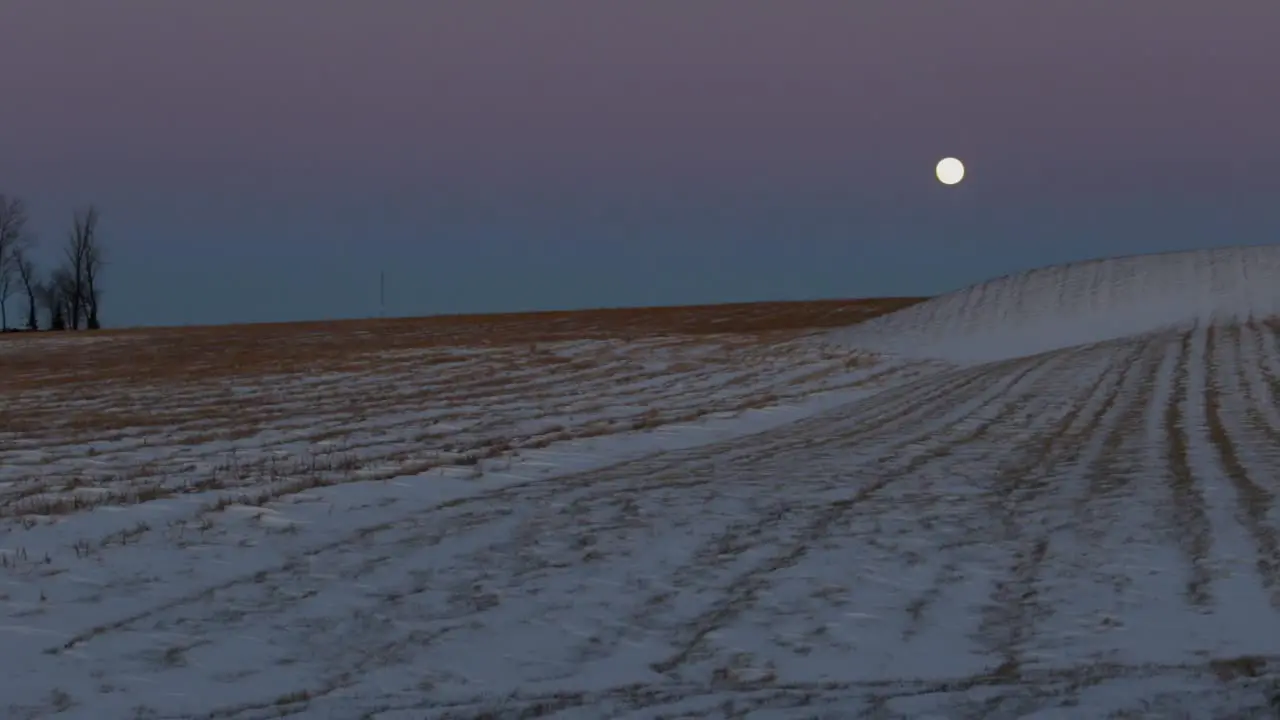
1081,303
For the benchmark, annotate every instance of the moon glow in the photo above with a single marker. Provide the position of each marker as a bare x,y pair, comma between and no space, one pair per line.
950,171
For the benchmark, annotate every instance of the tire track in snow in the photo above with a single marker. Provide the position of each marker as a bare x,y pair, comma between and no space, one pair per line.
1105,473
901,405
1262,372
1073,439
982,389
1101,487
980,697
667,465
1271,354
1007,387
679,464
937,403
1016,603
743,592
742,535
960,394
654,467
846,425
1253,501
1191,521
1009,405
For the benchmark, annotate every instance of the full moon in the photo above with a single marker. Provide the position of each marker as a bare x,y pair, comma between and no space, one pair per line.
950,171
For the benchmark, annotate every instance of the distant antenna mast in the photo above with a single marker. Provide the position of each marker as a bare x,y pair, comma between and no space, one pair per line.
382,293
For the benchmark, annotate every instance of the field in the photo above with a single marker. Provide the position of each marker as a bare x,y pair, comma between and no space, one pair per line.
723,511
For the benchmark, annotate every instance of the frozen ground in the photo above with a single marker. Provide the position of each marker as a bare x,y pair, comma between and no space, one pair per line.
665,526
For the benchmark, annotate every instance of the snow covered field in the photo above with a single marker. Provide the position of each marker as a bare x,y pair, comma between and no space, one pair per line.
634,522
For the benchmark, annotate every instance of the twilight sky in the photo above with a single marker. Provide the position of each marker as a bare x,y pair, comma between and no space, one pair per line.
265,160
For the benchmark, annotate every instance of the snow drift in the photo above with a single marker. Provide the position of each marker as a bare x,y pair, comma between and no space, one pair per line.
1081,303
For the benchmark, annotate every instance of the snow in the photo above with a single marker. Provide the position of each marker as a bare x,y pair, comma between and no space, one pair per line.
1079,303
683,528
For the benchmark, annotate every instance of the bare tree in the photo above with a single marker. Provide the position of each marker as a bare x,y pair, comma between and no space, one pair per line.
13,222
55,295
93,290
26,271
6,289
82,262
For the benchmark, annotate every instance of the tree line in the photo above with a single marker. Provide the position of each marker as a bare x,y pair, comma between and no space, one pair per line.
63,297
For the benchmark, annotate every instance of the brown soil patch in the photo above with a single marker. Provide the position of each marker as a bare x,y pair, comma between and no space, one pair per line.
149,355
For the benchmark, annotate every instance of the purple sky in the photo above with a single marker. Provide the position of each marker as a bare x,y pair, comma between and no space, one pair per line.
266,159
